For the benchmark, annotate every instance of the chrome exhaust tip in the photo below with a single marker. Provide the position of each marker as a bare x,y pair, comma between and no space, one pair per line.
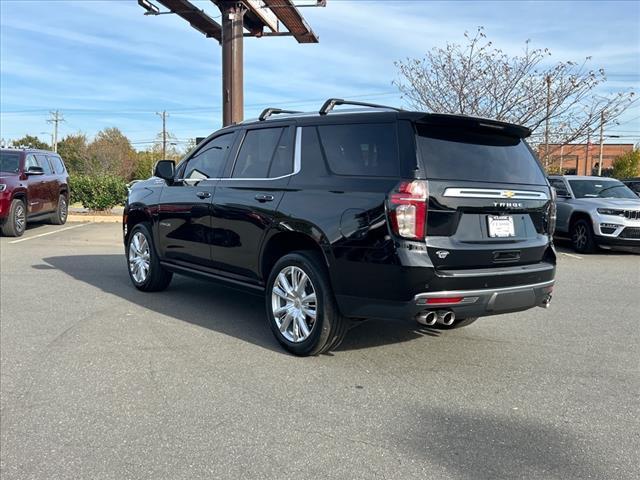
547,300
446,317
427,318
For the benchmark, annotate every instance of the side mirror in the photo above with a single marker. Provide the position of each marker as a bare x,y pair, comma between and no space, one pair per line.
165,169
33,170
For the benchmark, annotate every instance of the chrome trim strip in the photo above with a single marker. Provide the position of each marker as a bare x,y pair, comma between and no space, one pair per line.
494,193
480,293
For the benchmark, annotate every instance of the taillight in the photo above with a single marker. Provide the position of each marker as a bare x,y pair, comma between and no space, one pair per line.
408,209
553,212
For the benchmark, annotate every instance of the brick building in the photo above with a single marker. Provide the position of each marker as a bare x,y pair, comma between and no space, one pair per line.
580,158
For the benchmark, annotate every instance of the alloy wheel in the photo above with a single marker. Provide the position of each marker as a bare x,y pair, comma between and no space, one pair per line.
580,236
293,301
20,218
139,257
63,208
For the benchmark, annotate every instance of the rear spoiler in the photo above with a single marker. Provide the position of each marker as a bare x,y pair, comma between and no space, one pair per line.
474,123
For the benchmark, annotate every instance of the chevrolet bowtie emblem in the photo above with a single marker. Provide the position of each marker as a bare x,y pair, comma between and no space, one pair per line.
508,193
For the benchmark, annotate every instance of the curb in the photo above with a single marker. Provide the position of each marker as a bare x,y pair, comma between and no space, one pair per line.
95,218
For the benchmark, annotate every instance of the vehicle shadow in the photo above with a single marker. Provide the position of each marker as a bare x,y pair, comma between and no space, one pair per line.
232,311
479,445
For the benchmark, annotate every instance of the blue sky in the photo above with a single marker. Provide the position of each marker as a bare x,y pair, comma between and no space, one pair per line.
103,63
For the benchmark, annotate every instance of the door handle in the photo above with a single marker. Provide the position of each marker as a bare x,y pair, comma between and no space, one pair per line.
203,195
262,198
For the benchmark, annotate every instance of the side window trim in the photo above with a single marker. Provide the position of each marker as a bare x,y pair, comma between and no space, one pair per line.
297,159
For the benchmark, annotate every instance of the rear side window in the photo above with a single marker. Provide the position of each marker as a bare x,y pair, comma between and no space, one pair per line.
561,188
56,163
259,149
369,149
450,154
210,160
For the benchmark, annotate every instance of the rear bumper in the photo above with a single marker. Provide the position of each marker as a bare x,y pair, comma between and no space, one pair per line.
471,303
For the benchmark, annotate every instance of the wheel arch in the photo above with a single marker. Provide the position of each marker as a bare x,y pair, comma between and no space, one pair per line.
282,242
134,216
579,215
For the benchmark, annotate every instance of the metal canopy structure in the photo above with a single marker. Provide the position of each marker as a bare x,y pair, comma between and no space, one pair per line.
261,18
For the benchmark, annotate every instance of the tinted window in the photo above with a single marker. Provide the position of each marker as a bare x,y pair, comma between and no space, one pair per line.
9,162
600,189
361,149
282,163
44,163
458,155
256,153
56,163
209,162
561,188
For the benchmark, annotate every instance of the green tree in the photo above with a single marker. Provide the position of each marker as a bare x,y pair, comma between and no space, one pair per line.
627,165
32,141
111,153
145,161
74,150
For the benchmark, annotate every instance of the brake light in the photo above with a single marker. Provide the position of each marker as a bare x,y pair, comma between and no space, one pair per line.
408,209
553,212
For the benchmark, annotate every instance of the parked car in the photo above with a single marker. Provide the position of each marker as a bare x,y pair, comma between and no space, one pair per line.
372,213
633,184
597,212
34,185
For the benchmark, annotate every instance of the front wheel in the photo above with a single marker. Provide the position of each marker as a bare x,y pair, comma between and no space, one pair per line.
145,270
16,221
302,311
582,237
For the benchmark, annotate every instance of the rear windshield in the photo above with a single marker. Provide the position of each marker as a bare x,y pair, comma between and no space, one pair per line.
600,189
476,156
9,162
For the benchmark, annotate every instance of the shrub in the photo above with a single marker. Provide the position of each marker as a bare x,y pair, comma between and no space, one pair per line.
627,165
98,192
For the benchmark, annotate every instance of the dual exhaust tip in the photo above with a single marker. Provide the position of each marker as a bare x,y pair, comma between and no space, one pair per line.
440,317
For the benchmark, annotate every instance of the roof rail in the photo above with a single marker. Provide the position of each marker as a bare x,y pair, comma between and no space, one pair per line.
267,112
333,102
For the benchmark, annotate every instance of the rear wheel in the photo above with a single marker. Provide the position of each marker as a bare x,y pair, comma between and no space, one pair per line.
16,221
145,270
459,323
59,217
302,311
582,237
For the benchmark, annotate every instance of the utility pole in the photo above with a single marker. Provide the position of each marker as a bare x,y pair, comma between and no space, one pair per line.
56,118
547,79
164,116
601,142
586,153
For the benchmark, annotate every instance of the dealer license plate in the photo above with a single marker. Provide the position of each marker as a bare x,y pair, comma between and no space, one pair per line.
501,226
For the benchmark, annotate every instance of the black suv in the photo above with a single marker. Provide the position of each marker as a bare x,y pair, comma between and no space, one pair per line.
353,214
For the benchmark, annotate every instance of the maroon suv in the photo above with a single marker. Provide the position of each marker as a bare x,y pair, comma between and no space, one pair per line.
34,185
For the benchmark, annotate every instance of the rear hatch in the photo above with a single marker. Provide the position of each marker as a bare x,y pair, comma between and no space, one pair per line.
489,203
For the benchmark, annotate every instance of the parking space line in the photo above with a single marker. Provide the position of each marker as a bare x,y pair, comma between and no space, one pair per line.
50,233
571,255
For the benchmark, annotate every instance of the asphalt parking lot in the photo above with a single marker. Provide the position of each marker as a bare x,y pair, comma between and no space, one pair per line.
99,380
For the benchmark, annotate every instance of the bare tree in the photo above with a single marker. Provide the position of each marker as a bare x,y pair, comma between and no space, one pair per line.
556,102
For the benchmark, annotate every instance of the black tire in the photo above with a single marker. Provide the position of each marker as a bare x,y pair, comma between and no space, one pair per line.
458,323
156,278
330,327
582,238
59,217
16,221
